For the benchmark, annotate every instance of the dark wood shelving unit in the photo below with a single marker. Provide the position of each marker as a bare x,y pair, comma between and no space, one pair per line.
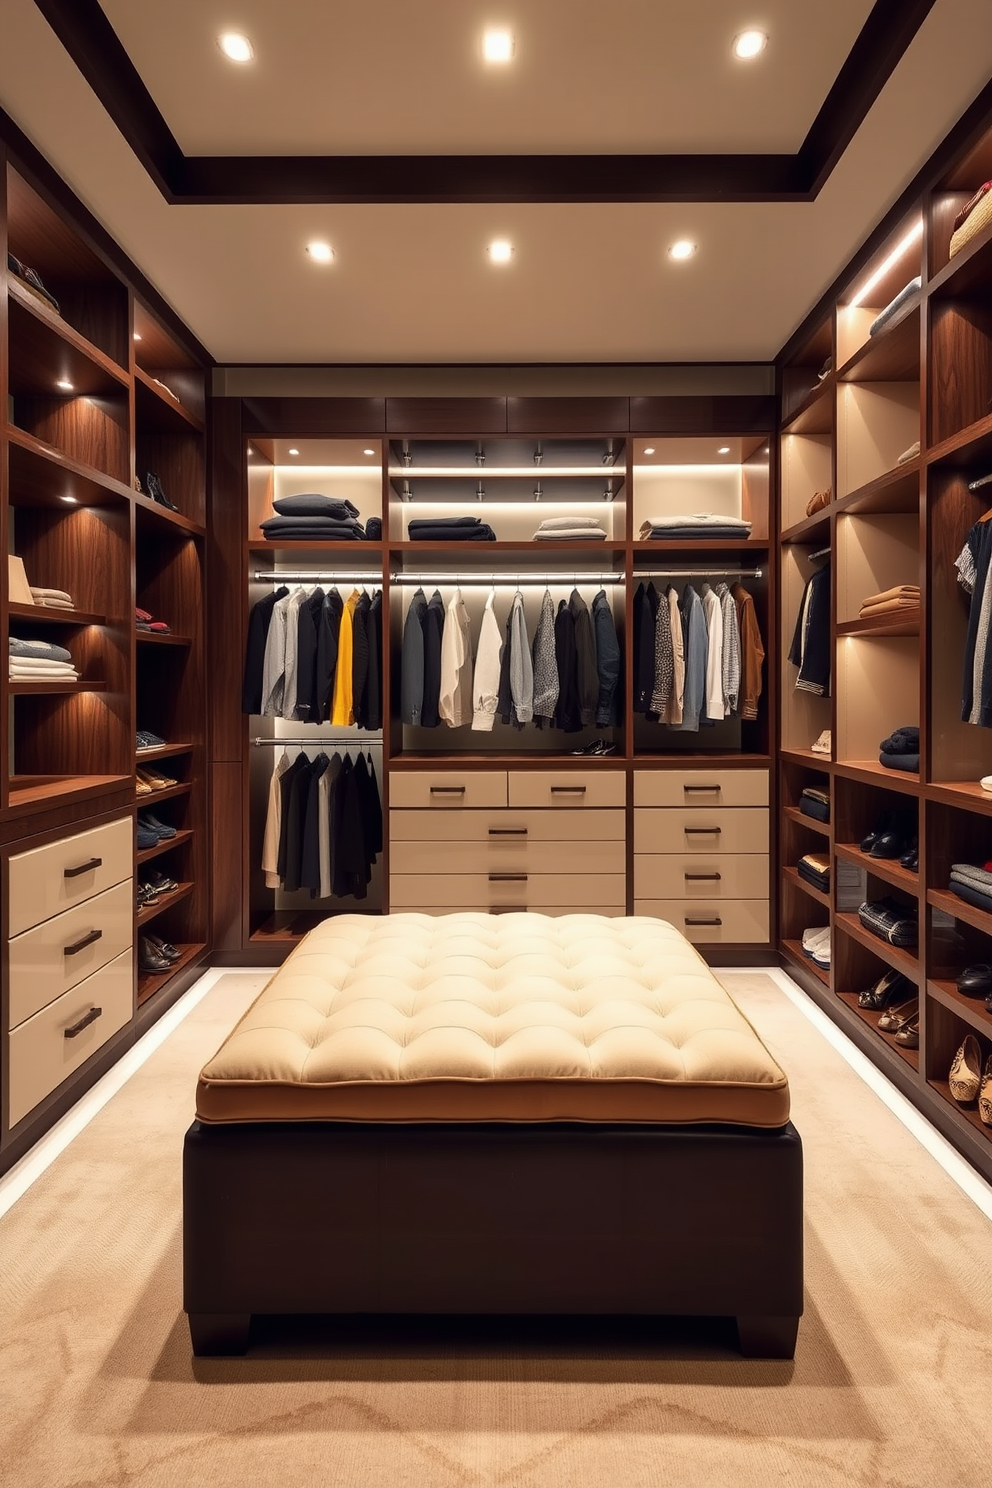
152,982
165,901
889,869
971,1009
896,624
794,952
43,615
796,879
42,688
896,956
868,1016
793,814
182,837
160,638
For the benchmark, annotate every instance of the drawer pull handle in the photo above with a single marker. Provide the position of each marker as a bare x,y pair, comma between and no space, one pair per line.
709,789
447,790
701,831
508,831
568,790
80,945
702,877
507,878
84,1022
82,868
716,920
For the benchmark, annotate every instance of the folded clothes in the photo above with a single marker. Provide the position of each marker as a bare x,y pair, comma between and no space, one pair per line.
373,529
483,533
815,803
28,672
425,524
296,529
38,650
907,608
54,604
909,454
571,534
815,870
550,524
907,762
37,664
313,504
696,519
38,594
894,306
972,896
679,534
905,740
980,877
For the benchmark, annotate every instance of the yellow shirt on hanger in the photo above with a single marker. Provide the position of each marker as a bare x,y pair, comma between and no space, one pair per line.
343,704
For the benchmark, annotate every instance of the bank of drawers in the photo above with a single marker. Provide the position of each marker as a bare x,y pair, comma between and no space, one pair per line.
701,847
543,840
70,917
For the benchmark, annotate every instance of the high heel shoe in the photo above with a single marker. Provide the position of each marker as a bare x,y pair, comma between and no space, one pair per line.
985,1094
965,1075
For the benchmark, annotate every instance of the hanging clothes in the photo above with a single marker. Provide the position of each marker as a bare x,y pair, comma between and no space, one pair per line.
973,564
258,632
731,650
291,661
607,661
433,639
274,662
504,701
297,675
645,613
328,630
810,649
273,824
308,624
659,704
585,653
372,692
485,677
324,825
343,704
671,602
521,666
694,632
360,657
567,715
752,652
455,701
543,664
713,709
412,672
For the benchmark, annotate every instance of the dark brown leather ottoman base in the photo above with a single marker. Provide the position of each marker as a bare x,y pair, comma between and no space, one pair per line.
339,1217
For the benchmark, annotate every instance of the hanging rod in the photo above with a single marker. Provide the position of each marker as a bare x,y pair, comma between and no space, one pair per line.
315,576
573,576
704,573
321,739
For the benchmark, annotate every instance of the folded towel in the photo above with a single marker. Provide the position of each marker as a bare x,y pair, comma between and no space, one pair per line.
551,523
425,524
28,672
909,454
894,306
39,664
572,534
40,593
898,591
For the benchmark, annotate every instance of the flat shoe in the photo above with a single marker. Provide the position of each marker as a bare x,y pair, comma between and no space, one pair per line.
975,981
965,1075
895,1018
908,1037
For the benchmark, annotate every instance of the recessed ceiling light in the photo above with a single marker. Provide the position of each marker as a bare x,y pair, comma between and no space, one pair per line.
368,452
320,252
236,46
70,499
497,44
64,384
294,452
682,250
724,449
649,449
500,251
748,44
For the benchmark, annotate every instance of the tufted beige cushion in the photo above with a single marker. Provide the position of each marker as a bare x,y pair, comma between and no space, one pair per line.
475,1017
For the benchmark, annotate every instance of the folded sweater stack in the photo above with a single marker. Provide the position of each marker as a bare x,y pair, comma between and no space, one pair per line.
311,516
902,599
694,524
40,661
450,529
973,885
901,750
814,868
815,803
570,529
52,599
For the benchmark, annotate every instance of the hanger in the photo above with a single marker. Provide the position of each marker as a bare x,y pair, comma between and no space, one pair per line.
986,516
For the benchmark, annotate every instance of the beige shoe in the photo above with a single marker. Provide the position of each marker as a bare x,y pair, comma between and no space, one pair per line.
965,1075
985,1094
141,787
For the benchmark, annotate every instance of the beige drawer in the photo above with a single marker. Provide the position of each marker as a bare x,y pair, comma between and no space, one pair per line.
509,825
49,879
740,829
730,920
677,876
578,891
42,1056
43,963
561,788
700,787
447,788
495,853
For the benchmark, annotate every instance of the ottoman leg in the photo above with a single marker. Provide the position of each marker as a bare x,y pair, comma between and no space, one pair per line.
763,1336
219,1332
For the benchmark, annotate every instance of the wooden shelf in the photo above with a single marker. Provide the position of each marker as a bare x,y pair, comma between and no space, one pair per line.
905,623
27,791
969,446
967,272
44,347
662,759
893,355
146,509
181,788
157,413
42,688
897,491
430,760
813,531
546,550
42,615
867,1015
809,757
40,475
286,927
896,956
164,902
150,982
146,854
874,773
966,1114
159,638
802,820
356,550
162,751
949,902
815,414
794,950
699,544
971,1009
889,869
794,877
966,794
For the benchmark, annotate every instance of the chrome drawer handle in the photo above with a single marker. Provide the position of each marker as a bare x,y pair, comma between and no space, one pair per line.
447,790
82,868
508,831
702,877
507,878
716,920
701,831
84,1022
80,945
568,790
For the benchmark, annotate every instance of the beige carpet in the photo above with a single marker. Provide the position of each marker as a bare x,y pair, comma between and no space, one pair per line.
892,1383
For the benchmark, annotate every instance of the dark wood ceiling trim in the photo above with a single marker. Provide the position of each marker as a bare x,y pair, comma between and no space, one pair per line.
91,41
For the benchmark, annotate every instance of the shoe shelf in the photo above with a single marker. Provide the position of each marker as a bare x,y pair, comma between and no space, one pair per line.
889,869
943,899
157,411
183,835
869,1016
151,982
162,751
151,511
793,814
870,771
41,475
796,879
164,902
157,638
183,788
895,956
971,1009
967,1115
967,794
794,950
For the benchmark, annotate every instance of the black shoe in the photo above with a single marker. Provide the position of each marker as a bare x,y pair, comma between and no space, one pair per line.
892,988
164,948
154,488
161,883
149,958
976,981
887,845
911,858
883,825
